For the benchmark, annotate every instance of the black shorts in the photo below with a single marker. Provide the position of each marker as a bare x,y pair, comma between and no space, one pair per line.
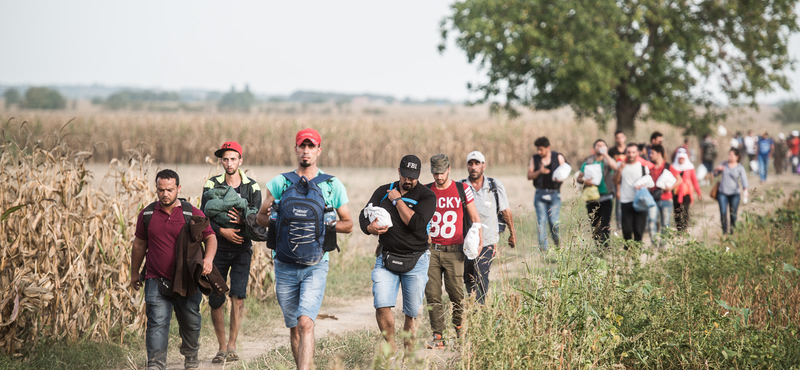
238,262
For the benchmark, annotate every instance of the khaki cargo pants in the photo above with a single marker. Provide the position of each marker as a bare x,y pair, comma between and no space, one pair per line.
449,265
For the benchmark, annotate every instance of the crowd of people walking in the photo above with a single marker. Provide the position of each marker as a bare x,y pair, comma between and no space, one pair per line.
444,233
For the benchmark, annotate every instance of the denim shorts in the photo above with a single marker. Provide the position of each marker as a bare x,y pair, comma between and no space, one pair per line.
300,290
238,262
385,285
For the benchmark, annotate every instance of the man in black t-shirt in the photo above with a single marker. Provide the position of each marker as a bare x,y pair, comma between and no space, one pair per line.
411,206
234,251
547,201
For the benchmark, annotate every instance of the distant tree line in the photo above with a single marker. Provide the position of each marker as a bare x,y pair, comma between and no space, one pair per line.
128,99
35,98
237,101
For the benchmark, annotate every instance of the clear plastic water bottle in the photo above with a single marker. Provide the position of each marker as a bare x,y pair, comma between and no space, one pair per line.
330,216
273,216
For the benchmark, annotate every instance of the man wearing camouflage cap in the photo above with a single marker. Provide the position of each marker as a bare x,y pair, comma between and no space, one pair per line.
454,203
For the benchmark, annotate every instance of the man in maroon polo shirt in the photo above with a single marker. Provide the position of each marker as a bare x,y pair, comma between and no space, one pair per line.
158,242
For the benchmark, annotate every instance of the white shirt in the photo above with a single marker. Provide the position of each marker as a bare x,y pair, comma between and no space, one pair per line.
630,174
750,144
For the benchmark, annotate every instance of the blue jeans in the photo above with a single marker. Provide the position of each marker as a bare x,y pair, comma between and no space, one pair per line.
658,217
476,273
763,161
548,210
726,201
299,290
159,313
385,285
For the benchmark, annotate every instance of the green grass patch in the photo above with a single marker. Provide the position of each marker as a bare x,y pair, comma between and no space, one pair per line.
728,305
81,355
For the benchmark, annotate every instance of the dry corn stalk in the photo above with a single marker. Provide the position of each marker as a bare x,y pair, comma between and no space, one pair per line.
65,245
64,252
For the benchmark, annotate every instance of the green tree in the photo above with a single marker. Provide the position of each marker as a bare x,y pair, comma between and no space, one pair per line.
43,98
237,101
789,112
11,96
613,58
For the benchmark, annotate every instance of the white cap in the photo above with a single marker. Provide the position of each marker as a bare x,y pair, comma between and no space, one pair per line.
781,136
795,133
476,155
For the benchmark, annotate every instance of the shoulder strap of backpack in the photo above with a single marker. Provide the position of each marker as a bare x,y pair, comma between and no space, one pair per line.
643,173
391,186
321,178
148,214
463,195
292,177
186,207
493,189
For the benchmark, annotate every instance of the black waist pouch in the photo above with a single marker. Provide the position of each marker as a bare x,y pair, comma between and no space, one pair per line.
400,263
164,286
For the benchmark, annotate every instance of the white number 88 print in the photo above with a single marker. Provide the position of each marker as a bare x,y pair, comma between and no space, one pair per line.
444,225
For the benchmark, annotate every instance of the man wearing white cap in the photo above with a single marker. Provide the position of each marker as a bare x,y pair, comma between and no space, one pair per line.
794,150
492,205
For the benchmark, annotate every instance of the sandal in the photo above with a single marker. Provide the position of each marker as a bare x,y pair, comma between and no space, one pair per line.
219,358
232,356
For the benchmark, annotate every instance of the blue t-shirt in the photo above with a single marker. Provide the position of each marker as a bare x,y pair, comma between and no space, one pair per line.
332,190
765,146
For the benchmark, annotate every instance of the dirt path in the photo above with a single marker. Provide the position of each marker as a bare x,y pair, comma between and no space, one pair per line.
333,319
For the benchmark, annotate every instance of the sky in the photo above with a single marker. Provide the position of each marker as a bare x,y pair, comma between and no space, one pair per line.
277,47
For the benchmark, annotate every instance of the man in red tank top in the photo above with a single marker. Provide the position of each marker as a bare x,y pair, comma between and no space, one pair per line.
447,241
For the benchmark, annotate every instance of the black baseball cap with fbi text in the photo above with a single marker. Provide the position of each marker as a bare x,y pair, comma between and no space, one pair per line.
410,166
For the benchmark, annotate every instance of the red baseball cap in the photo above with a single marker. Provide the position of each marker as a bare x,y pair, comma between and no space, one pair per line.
229,145
308,134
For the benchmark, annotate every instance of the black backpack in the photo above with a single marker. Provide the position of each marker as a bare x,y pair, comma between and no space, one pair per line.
466,222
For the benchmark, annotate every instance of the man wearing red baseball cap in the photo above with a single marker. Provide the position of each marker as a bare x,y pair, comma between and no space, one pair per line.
308,134
300,288
234,250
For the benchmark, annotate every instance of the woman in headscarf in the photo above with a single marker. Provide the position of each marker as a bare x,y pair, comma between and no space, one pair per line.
683,195
732,173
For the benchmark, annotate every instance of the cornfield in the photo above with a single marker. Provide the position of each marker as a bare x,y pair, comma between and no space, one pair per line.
348,140
65,247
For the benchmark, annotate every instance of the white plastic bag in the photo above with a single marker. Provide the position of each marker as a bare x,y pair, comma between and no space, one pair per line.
722,131
472,242
382,215
562,172
594,173
734,143
702,171
666,180
646,181
754,165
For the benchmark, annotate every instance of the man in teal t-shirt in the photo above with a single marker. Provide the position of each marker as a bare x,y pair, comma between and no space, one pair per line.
300,288
601,210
